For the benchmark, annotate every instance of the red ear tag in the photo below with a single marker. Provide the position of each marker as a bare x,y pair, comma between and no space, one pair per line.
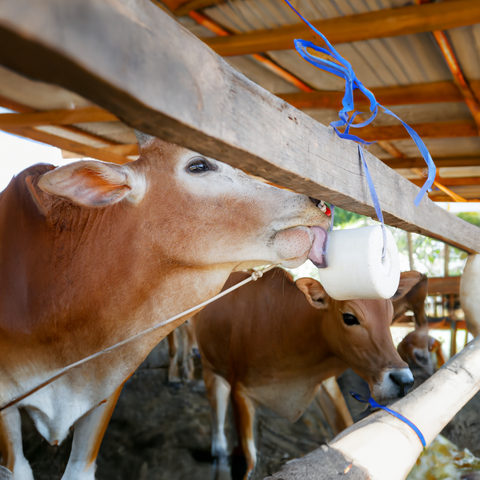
328,212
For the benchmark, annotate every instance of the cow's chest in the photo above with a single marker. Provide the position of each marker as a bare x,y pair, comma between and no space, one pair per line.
288,398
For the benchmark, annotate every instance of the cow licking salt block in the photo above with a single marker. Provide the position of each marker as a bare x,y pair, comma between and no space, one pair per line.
356,268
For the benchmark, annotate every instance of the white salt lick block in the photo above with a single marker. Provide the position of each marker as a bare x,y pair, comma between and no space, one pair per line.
356,268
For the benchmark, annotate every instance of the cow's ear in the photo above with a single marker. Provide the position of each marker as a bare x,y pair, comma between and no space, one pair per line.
407,281
94,184
314,292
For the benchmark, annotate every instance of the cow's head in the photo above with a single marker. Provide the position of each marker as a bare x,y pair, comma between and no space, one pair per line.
358,332
416,350
195,211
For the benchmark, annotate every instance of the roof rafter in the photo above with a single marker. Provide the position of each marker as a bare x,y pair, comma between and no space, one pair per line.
67,144
422,93
56,117
378,24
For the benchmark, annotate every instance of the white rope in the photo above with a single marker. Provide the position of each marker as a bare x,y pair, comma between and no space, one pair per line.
253,277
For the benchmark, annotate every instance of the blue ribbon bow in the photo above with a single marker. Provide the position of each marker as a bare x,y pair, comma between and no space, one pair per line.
341,68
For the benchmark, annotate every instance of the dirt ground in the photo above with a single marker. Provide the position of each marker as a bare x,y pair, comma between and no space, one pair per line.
161,431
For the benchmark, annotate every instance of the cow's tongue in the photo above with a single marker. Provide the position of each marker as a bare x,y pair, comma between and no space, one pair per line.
319,248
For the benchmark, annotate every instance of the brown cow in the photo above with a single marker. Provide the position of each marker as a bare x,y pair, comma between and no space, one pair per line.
414,300
182,367
417,348
266,344
92,253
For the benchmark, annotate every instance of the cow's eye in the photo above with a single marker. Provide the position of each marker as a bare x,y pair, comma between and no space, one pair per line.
200,165
350,319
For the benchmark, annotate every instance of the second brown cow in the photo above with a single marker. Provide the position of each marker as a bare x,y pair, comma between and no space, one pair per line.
265,344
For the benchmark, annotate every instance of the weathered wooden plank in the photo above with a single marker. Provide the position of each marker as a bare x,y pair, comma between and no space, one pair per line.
434,92
56,117
142,66
444,285
364,26
67,144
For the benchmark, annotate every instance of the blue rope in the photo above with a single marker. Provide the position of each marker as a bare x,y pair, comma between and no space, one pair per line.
374,404
342,68
332,220
376,203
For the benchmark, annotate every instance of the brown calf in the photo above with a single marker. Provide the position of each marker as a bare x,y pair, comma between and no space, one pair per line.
266,344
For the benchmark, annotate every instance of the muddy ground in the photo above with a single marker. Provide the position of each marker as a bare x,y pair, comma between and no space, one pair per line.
161,431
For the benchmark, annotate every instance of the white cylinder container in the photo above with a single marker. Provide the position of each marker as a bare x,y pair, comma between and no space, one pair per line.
355,265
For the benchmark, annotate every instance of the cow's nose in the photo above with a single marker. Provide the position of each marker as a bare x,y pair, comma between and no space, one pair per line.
314,201
404,379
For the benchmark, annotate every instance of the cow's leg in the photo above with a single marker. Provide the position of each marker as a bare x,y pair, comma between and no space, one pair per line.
218,394
87,437
173,370
189,344
11,445
245,419
331,401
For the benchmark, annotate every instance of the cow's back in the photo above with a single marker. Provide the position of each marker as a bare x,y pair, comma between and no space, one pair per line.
260,327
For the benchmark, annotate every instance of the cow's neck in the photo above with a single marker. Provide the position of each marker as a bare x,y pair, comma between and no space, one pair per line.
121,281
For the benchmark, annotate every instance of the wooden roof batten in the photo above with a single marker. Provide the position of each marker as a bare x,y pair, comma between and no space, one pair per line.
197,100
23,123
364,26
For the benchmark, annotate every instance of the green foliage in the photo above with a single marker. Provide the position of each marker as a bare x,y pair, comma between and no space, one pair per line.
344,218
470,217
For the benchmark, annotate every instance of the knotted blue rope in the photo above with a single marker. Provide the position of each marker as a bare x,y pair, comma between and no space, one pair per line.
342,68
374,404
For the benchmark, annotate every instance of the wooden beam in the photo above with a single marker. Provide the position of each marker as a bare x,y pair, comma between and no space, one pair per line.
263,58
378,24
455,129
125,150
199,101
452,182
458,76
467,161
435,92
443,285
56,117
184,7
18,107
66,144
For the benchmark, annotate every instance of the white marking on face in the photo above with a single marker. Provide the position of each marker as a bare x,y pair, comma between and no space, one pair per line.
387,390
